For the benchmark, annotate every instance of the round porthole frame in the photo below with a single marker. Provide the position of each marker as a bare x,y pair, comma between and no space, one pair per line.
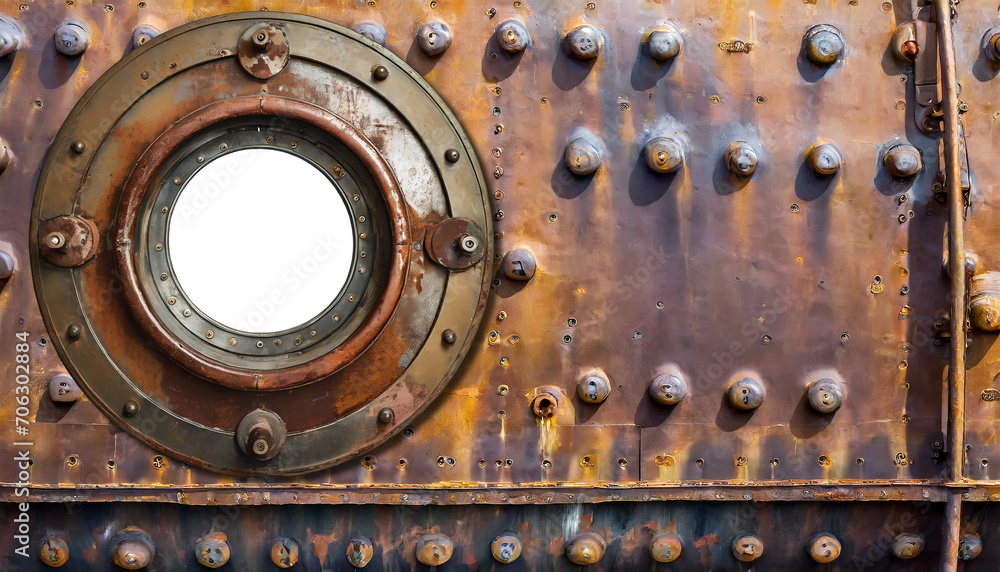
96,329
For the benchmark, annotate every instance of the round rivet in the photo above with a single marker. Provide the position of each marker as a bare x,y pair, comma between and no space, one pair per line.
825,395
584,153
143,34
71,39
451,155
506,548
824,548
73,332
593,388
360,551
741,159
434,38
824,44
664,43
512,36
902,160
825,159
53,551
284,552
380,72
664,154
10,39
133,549
585,42
434,549
131,407
907,545
212,550
386,415
668,389
519,265
78,147
665,547
449,336
970,546
745,394
373,31
747,548
586,548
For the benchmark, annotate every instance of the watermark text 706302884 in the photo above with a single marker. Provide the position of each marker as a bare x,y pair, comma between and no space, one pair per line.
22,411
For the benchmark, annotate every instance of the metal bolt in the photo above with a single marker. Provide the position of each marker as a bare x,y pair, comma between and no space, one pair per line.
434,38
506,548
6,265
970,546
449,336
586,548
824,548
53,551
285,552
593,388
63,389
10,38
360,551
73,332
468,243
545,405
451,155
133,549
512,36
991,44
825,395
434,549
741,159
143,34
373,31
212,550
907,545
380,72
825,159
902,160
131,408
584,153
4,155
668,389
585,42
71,39
55,240
519,265
745,394
78,147
824,44
664,43
909,50
386,415
664,154
747,548
665,547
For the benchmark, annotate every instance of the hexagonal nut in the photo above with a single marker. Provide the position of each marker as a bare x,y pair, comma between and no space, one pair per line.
586,548
360,551
593,388
664,154
132,549
519,265
585,42
907,545
824,159
71,39
745,393
506,548
434,549
825,395
434,38
668,388
584,153
970,546
665,547
824,548
63,388
747,548
53,551
284,552
212,550
663,43
824,44
513,36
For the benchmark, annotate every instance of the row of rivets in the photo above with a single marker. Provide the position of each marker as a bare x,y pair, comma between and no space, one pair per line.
134,549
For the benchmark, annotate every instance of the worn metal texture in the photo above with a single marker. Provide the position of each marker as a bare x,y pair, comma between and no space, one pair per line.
784,276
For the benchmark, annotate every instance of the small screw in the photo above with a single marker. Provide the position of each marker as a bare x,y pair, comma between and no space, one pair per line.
144,75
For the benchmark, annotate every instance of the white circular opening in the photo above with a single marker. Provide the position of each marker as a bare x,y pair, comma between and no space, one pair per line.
260,241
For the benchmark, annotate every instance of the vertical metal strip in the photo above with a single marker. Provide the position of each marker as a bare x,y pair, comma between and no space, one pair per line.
956,264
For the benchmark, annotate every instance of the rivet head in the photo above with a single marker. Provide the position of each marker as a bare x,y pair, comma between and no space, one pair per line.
826,395
741,159
747,548
665,547
585,42
664,43
434,549
130,408
71,39
907,545
824,548
78,147
10,39
745,393
824,44
143,34
512,36
449,336
53,551
373,31
506,548
63,388
664,154
133,549
73,332
824,159
668,389
969,546
584,153
212,550
593,388
386,415
519,265
586,548
434,38
284,552
902,160
380,72
452,155
360,551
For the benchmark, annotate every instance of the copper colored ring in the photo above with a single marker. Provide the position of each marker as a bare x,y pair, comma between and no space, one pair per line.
139,184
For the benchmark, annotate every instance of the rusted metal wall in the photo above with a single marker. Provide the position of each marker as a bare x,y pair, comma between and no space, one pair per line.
787,276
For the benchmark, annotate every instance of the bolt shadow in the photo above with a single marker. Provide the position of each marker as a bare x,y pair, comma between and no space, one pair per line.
568,71
646,187
504,64
805,421
566,185
809,185
985,69
55,69
725,181
5,65
730,419
508,287
419,60
890,186
647,71
651,414
808,70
